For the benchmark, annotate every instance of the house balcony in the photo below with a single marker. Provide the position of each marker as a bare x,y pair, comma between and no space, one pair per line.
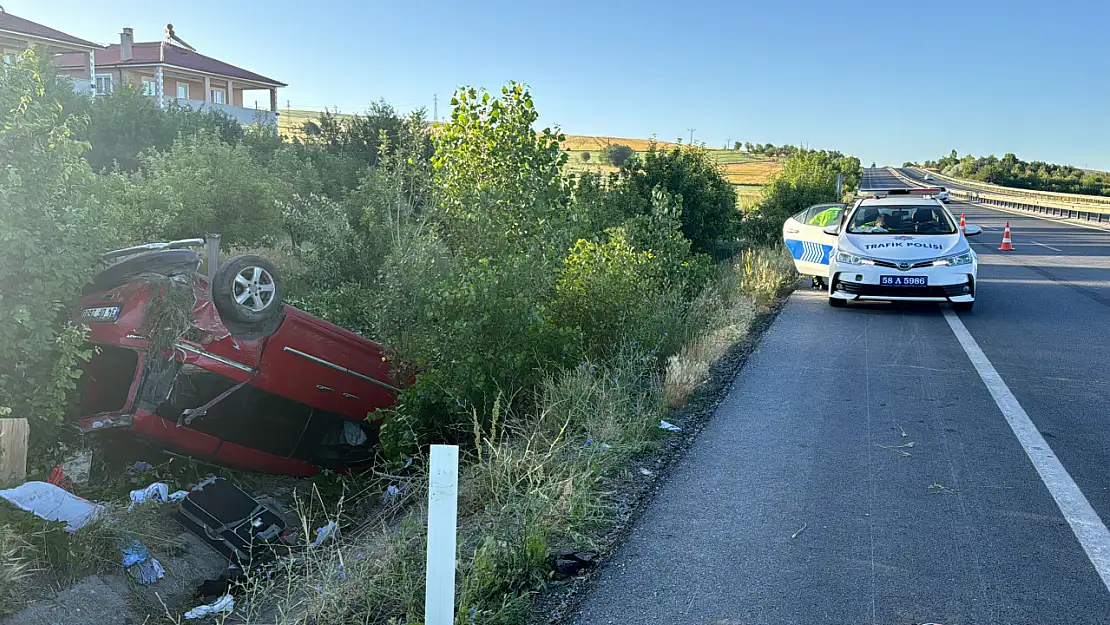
242,114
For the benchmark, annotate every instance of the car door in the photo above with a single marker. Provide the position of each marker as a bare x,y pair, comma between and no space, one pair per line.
804,235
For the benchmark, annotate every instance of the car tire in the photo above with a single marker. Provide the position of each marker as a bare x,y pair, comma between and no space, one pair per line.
963,307
836,302
248,289
161,262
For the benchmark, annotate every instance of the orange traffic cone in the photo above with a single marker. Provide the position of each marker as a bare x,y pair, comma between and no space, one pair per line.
963,223
1007,246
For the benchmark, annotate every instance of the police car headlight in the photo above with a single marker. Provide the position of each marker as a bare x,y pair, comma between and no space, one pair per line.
953,260
852,259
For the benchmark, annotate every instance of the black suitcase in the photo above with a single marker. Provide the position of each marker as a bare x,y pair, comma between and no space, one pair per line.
230,520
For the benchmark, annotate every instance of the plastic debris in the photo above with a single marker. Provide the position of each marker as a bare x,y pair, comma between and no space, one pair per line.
141,466
646,472
392,493
138,561
52,503
77,467
670,427
149,571
223,605
59,478
606,446
157,491
324,533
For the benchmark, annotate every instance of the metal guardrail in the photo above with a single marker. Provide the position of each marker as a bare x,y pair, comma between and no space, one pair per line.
1067,213
1064,199
1001,201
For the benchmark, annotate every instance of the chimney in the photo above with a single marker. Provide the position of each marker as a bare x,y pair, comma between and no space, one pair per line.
126,40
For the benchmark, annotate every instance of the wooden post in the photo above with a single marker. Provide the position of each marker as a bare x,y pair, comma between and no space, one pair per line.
443,510
13,451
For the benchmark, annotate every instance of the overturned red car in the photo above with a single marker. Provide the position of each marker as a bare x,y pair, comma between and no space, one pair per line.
243,380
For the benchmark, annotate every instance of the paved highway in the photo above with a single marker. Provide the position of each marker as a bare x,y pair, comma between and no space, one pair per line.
864,469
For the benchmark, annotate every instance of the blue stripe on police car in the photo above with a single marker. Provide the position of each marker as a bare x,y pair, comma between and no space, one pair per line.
808,251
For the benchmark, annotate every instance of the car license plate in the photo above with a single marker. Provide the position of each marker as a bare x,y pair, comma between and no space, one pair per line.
103,313
903,281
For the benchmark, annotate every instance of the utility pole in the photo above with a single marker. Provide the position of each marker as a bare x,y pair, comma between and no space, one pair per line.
435,108
691,135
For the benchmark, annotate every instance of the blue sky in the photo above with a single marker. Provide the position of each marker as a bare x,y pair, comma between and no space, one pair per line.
885,81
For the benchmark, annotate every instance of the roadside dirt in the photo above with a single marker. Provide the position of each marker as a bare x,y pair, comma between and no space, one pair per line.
636,489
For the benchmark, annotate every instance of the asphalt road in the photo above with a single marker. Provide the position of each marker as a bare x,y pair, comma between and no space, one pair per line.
862,470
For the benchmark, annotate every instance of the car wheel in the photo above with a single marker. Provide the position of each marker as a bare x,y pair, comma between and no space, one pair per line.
248,289
963,306
836,302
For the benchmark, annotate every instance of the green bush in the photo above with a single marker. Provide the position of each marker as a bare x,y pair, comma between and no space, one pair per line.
617,154
807,178
690,175
50,237
201,185
126,123
606,291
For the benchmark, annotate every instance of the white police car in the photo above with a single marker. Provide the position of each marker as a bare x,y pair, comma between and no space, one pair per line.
897,244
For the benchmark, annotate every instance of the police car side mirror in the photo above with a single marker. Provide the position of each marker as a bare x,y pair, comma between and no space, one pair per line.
972,231
831,230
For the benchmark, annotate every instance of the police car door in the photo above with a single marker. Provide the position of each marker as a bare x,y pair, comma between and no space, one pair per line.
805,237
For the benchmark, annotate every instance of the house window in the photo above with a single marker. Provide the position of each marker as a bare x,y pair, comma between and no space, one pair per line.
148,86
9,58
218,96
103,84
183,90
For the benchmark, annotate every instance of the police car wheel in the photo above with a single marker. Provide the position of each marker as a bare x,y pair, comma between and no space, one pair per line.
836,302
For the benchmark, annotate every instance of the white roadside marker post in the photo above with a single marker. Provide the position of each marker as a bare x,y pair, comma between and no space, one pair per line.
443,510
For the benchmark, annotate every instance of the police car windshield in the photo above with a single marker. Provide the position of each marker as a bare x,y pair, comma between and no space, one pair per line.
901,220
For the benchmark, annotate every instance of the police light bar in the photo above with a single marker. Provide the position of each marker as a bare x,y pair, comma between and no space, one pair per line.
878,193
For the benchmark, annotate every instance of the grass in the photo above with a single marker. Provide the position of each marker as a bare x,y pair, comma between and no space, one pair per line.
36,555
531,484
747,194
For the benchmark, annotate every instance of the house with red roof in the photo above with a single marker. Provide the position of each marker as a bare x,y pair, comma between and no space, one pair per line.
18,34
173,71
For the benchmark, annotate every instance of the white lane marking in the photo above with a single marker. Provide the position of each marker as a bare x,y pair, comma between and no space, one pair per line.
1054,249
1084,521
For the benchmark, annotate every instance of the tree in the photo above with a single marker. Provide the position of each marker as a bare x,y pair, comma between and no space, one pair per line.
127,122
50,236
808,177
617,154
707,200
736,146
585,157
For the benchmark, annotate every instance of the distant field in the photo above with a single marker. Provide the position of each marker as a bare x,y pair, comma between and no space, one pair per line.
740,168
751,172
581,142
291,122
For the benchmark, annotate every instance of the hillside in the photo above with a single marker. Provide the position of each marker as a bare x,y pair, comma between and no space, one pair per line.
747,171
